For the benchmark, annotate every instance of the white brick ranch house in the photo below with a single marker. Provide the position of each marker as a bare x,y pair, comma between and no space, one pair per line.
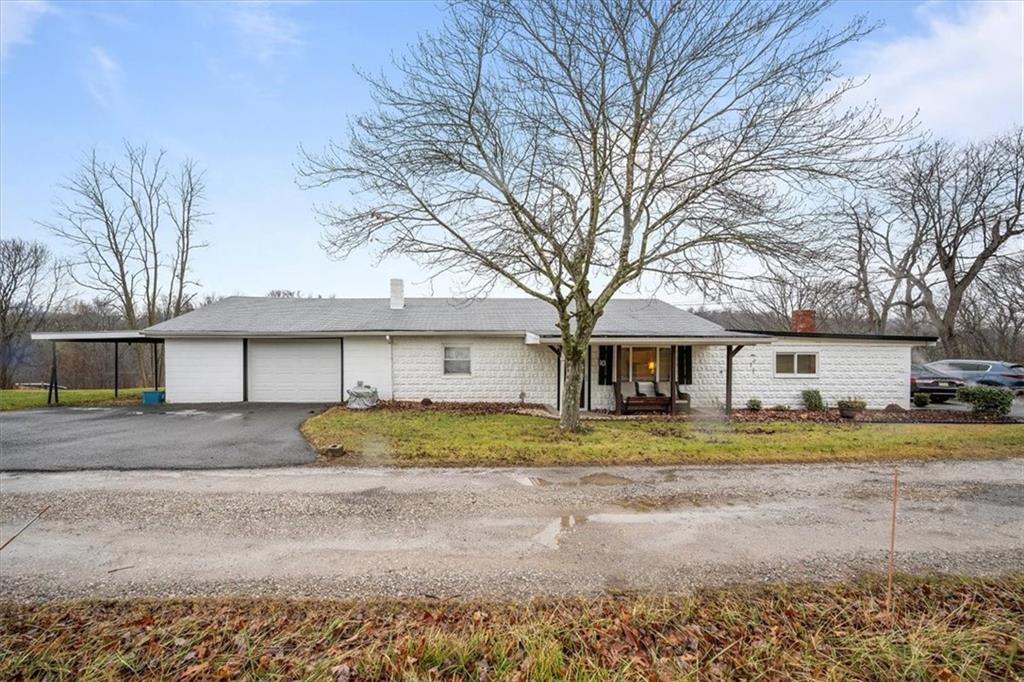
504,350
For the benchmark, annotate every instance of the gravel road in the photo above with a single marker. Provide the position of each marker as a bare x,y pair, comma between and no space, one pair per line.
498,533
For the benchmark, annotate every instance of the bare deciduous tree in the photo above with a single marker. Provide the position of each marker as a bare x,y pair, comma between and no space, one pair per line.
992,317
571,147
31,286
964,204
771,301
874,251
115,217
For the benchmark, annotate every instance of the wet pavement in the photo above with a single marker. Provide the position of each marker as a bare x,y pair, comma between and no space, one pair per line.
155,437
499,533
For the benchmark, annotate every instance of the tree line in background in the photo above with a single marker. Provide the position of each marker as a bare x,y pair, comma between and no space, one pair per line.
934,248
129,226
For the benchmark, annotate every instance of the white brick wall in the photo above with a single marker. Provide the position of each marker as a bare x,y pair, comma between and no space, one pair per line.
501,368
877,372
368,359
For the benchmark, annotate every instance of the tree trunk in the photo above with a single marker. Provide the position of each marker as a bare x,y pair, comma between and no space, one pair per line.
574,368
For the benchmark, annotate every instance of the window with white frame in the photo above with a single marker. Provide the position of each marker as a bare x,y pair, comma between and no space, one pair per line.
650,363
796,364
456,360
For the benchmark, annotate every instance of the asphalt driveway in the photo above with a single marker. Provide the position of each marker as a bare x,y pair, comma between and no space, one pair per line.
160,437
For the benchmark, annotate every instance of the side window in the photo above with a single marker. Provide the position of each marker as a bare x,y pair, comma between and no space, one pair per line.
456,360
796,364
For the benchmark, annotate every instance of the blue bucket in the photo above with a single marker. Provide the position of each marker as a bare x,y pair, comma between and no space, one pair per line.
152,397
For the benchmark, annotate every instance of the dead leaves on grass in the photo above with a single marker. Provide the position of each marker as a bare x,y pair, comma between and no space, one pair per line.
944,629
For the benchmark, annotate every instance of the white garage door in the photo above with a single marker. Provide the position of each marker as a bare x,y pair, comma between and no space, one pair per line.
295,371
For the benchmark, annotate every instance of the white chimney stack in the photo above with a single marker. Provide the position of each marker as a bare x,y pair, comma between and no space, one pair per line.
397,294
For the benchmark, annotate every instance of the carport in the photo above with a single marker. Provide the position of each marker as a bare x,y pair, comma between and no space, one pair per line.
113,337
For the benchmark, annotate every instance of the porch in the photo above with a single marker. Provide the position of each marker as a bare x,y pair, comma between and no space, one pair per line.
658,376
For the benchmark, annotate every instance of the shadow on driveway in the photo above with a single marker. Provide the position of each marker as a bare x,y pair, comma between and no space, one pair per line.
157,437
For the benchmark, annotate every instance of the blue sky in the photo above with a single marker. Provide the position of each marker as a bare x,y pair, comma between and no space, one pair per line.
238,86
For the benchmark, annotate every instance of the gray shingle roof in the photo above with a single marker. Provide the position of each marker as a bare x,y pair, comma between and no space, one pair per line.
243,315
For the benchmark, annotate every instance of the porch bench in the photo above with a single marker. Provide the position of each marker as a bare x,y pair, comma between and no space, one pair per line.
631,399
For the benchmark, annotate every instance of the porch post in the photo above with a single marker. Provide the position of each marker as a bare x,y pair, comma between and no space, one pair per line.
728,379
116,386
672,379
730,352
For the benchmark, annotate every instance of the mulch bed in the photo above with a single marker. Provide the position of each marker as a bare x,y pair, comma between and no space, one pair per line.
463,408
886,416
892,415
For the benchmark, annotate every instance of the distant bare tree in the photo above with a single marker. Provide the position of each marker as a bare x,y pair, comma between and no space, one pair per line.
771,301
875,251
992,317
964,204
31,286
571,147
115,217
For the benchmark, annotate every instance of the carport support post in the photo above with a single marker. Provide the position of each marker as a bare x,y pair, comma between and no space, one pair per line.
53,394
116,382
156,370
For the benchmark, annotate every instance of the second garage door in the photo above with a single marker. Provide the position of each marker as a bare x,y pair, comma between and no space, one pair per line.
295,371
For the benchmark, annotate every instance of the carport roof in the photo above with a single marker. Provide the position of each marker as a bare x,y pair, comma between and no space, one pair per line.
121,336
252,316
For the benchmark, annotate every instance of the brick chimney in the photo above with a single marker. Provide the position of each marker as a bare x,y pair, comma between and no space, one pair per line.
803,321
397,294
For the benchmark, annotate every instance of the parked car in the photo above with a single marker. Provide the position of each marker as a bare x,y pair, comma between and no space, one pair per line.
939,386
985,372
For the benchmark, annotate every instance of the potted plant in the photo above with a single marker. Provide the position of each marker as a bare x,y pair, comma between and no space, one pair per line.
849,407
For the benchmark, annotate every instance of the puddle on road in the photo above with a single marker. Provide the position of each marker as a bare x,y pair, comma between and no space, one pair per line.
553,532
650,502
548,536
604,479
599,478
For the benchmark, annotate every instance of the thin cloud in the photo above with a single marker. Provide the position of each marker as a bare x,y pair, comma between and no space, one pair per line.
103,78
18,20
964,70
263,32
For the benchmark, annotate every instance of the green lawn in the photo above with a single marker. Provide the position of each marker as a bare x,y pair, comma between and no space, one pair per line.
941,629
437,438
23,398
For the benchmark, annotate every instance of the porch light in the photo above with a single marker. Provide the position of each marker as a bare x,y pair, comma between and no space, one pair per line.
650,365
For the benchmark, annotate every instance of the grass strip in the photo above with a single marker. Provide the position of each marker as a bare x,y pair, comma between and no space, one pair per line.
943,628
25,398
429,438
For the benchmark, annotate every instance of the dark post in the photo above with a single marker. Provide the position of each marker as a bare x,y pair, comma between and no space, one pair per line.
116,378
730,352
728,379
53,393
673,380
245,371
